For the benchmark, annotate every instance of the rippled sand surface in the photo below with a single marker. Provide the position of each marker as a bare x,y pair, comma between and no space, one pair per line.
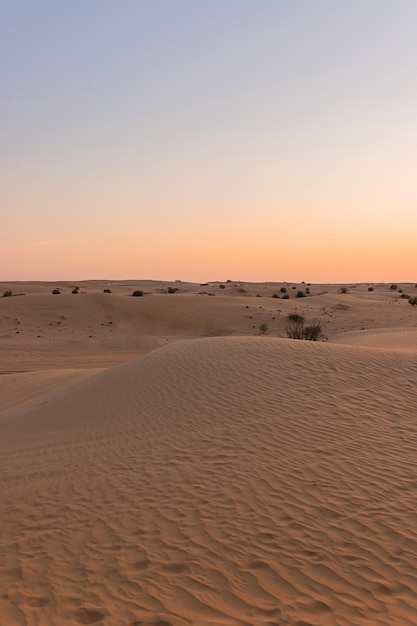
239,480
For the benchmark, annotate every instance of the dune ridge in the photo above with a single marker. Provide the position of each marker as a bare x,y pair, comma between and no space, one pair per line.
237,480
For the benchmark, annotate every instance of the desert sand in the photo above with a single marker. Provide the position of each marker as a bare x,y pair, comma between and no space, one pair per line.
165,463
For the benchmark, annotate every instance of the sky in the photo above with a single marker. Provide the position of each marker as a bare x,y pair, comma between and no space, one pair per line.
208,139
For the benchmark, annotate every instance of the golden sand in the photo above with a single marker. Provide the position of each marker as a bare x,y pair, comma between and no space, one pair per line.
164,464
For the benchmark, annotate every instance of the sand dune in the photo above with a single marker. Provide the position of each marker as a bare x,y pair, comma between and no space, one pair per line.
233,481
385,338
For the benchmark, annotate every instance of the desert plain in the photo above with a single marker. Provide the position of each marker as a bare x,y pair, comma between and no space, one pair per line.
175,459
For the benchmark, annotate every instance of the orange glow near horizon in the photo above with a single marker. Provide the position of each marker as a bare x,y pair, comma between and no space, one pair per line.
198,257
210,140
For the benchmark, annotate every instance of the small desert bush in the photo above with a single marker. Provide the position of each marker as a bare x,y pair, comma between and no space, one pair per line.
285,296
107,290
75,290
370,288
412,301
283,290
295,317
263,328
394,287
172,289
300,294
275,295
56,292
295,328
343,289
314,331
7,293
137,293
222,286
307,290
405,296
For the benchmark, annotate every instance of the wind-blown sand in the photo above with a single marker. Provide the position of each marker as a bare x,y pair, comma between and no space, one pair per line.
232,480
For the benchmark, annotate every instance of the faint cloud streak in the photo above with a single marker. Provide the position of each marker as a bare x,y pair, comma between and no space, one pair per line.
41,244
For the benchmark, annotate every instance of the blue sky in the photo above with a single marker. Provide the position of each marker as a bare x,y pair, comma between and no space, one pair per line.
182,139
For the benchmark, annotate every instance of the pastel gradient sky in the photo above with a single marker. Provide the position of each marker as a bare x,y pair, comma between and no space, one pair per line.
208,139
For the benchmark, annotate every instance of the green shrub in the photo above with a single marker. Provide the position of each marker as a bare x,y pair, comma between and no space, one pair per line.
263,328
137,293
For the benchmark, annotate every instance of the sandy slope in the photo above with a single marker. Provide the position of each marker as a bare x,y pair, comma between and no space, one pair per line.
234,480
27,388
386,338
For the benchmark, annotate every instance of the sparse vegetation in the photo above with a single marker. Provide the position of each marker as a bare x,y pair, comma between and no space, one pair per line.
107,290
75,290
314,331
263,328
343,290
307,290
137,293
283,290
405,296
56,291
285,296
222,286
300,294
295,328
172,289
295,317
370,288
275,295
7,293
412,301
394,287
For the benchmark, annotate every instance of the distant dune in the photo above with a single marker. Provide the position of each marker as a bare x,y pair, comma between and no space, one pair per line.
163,464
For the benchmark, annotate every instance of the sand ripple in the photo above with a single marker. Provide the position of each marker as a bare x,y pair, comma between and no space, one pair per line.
233,481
